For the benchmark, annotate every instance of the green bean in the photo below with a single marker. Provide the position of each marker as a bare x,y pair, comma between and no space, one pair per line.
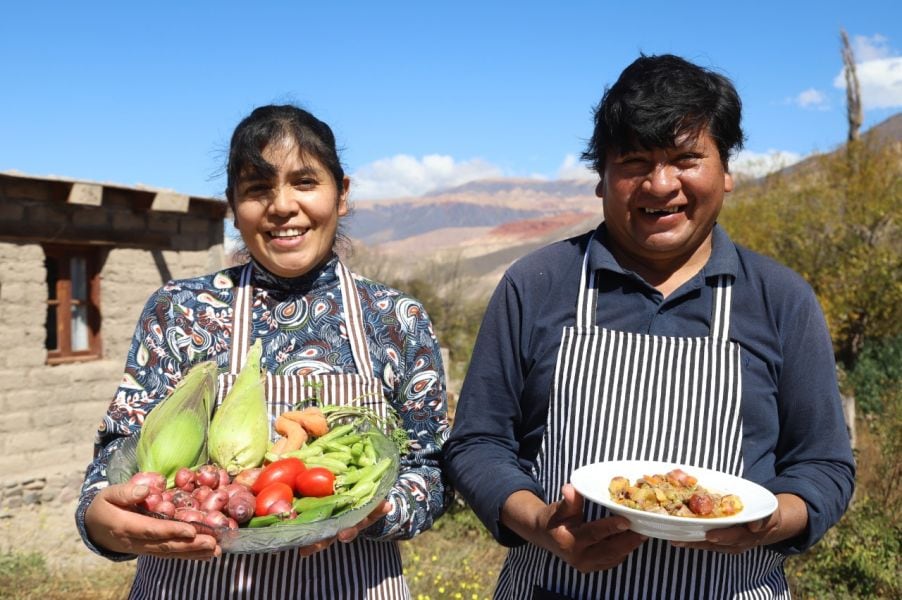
334,433
371,472
336,466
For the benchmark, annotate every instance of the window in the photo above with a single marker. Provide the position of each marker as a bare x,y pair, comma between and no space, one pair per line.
73,303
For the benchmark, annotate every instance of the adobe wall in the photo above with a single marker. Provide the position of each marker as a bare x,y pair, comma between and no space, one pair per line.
48,414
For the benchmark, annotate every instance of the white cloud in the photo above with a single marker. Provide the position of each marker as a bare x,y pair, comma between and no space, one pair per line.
811,99
572,168
880,81
867,48
758,164
404,175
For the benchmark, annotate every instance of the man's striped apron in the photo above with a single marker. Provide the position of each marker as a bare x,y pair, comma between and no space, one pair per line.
622,396
360,569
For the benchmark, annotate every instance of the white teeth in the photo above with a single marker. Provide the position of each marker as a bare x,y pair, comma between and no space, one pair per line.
285,233
655,211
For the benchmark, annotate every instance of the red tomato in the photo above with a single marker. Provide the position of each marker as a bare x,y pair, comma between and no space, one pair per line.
316,481
272,495
284,470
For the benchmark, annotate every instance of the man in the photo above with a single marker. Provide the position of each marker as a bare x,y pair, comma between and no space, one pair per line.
654,337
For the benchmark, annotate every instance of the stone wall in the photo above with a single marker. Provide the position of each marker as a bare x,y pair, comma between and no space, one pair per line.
48,414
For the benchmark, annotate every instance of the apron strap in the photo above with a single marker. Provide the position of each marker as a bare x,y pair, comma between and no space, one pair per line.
587,302
720,312
353,315
241,321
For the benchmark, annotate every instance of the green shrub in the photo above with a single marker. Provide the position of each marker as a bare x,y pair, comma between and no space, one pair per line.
857,559
877,375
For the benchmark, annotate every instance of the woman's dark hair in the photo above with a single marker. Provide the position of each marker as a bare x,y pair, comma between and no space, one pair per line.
655,100
272,123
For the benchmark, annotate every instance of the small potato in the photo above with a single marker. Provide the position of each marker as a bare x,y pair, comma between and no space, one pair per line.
155,482
189,515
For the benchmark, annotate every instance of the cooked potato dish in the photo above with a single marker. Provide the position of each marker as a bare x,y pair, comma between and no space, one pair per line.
676,494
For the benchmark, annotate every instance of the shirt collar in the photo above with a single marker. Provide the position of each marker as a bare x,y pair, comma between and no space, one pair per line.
318,278
724,259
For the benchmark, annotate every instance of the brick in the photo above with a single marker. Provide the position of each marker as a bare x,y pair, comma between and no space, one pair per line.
165,223
194,226
11,212
16,420
91,217
127,220
25,357
46,214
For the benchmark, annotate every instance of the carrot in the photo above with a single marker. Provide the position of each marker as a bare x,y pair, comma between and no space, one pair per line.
311,419
295,436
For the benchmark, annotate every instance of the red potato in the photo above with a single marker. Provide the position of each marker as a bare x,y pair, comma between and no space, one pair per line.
217,500
241,507
216,519
185,479
224,478
155,482
183,499
235,488
189,515
165,508
151,501
201,493
248,477
208,475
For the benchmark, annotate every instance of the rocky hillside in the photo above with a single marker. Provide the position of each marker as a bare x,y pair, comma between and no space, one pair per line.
481,226
478,229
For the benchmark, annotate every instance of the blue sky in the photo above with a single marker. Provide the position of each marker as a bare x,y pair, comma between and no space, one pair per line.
420,94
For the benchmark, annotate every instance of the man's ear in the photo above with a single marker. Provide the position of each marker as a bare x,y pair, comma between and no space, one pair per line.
599,189
727,182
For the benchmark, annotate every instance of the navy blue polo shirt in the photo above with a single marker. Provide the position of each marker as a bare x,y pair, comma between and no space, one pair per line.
794,436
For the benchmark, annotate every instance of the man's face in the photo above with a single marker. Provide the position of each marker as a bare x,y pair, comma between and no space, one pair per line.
660,205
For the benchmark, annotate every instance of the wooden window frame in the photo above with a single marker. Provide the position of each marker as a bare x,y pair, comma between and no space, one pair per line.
63,303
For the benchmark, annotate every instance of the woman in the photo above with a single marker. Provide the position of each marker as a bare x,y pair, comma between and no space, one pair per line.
319,324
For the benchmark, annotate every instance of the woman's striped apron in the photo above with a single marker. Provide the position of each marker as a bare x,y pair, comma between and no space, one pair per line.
360,569
621,396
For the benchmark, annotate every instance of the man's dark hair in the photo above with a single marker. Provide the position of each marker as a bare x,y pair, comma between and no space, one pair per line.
659,98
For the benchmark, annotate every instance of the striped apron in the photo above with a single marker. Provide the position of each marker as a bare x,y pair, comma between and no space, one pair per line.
622,396
363,569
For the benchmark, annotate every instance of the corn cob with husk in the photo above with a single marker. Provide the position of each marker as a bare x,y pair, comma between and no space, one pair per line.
239,432
174,434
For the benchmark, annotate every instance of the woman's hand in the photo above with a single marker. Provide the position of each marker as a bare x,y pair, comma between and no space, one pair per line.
560,529
350,533
789,520
113,524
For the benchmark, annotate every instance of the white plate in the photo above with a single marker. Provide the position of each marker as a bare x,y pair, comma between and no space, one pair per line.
592,482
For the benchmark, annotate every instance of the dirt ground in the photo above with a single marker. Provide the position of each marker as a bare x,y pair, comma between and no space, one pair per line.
50,531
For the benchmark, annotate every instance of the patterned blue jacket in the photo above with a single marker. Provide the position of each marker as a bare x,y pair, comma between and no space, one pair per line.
300,323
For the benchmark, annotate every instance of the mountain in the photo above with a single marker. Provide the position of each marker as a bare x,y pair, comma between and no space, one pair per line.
478,229
481,226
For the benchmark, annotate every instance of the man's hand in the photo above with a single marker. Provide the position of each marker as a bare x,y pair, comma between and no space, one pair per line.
559,528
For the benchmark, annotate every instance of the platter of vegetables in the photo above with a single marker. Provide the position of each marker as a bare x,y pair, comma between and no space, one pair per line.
220,471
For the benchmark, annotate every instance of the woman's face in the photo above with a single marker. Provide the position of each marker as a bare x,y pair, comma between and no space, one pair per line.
288,222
